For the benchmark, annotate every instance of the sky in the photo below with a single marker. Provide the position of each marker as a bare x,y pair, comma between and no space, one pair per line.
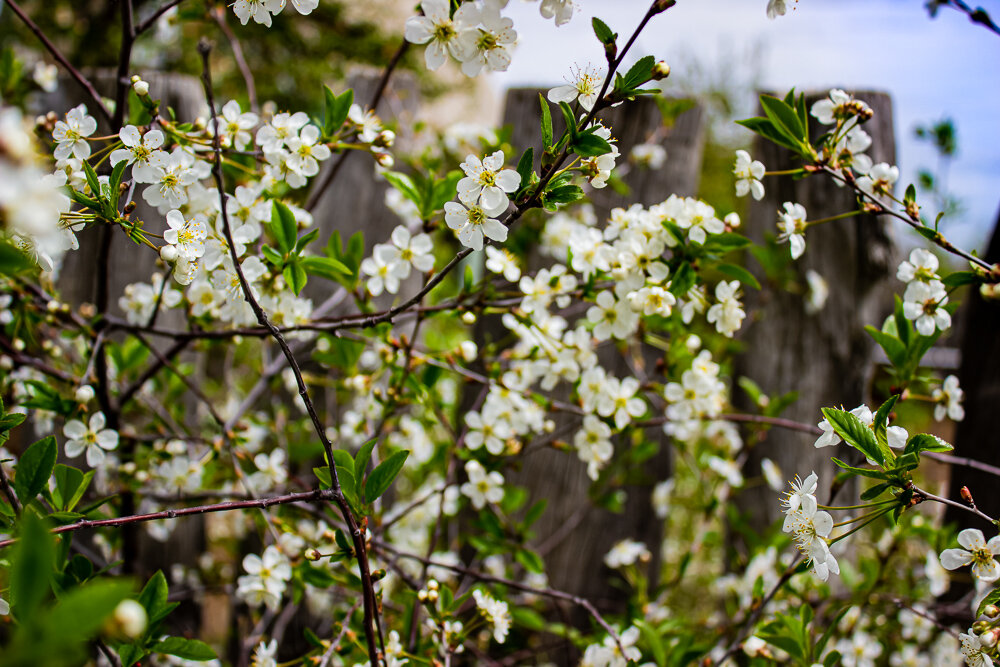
933,68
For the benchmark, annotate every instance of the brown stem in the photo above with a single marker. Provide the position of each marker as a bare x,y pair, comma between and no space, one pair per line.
219,14
357,534
262,503
9,492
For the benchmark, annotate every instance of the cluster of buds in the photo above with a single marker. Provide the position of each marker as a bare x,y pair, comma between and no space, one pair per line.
430,594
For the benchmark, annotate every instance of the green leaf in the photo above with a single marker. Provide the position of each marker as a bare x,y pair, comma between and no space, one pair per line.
336,109
638,74
34,468
71,484
323,475
342,459
569,119
80,613
324,267
959,278
602,31
546,122
31,567
784,118
154,598
683,280
864,472
406,186
384,474
589,144
925,442
189,649
881,419
284,227
993,597
92,180
525,166
858,435
766,129
116,179
738,272
564,194
295,276
443,191
875,491
305,240
531,561
272,256
894,348
12,260
362,458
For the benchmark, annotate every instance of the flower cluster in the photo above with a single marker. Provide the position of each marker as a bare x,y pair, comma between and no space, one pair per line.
261,11
476,35
809,526
925,297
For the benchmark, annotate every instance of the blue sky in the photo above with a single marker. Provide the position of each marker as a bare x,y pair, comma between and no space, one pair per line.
932,68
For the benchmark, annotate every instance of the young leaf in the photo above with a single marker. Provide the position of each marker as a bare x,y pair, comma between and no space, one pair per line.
34,468
858,435
589,144
925,442
546,122
284,227
295,276
189,649
384,474
881,420
324,267
362,457
406,186
738,272
783,117
602,31
894,349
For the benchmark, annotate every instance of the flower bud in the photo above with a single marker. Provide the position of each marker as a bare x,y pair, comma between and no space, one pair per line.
140,87
990,638
967,495
991,611
980,627
469,350
385,139
84,394
168,253
312,554
128,620
469,317
661,70
384,160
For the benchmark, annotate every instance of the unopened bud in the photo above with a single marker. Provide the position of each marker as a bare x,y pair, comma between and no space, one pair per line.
84,394
18,345
378,575
967,495
312,554
432,584
432,596
168,253
991,611
979,627
661,70
52,306
384,160
469,350
385,138
128,620
140,87
990,638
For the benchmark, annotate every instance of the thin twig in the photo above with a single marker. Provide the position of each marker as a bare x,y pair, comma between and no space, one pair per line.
61,59
371,624
327,179
262,503
155,16
9,492
927,495
482,576
192,387
219,14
